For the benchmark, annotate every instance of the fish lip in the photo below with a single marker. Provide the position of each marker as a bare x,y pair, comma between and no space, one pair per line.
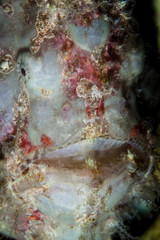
105,152
83,146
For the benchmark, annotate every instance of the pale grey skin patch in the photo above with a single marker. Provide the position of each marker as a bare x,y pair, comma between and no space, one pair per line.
90,37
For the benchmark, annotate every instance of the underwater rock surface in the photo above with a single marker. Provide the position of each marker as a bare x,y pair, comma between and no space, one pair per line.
77,159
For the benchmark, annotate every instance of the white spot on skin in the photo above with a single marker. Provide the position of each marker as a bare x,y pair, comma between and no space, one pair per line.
7,64
91,163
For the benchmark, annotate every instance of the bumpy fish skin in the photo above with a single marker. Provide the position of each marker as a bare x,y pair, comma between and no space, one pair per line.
77,156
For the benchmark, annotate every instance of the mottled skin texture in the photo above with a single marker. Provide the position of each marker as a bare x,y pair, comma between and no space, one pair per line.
76,154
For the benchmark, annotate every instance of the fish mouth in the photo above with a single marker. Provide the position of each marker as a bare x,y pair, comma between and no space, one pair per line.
93,154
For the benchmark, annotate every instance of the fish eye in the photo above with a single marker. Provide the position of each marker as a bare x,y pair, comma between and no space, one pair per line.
22,68
23,71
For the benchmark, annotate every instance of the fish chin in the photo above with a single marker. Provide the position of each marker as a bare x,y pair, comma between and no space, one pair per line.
80,184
